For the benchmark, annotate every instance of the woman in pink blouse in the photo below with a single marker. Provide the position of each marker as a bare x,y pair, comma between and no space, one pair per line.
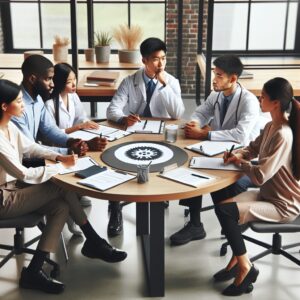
278,199
40,195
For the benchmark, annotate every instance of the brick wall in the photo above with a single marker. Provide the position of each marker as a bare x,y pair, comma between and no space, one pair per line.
1,36
189,42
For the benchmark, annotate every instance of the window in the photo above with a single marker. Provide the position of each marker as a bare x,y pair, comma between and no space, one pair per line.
255,25
33,24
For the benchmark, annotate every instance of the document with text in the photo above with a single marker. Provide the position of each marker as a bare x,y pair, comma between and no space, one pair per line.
211,148
147,126
188,177
81,163
106,179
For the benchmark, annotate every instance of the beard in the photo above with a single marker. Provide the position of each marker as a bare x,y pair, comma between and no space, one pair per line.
40,89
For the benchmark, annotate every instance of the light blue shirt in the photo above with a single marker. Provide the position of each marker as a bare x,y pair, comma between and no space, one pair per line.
37,122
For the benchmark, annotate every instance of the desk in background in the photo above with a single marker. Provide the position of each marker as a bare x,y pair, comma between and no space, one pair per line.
263,69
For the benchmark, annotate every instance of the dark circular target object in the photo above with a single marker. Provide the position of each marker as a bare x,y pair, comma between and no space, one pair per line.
127,155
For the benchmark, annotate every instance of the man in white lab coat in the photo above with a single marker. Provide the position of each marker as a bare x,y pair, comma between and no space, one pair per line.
150,92
230,113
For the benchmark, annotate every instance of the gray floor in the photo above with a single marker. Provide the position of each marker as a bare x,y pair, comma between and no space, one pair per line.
188,268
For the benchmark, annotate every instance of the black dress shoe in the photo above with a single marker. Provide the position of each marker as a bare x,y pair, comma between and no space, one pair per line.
224,274
102,250
245,286
40,281
188,233
115,224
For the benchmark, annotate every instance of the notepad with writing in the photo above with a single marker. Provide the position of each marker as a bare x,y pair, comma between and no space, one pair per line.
81,163
106,179
187,176
213,163
211,148
147,126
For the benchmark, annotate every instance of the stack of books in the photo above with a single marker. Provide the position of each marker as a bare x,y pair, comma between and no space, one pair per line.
106,78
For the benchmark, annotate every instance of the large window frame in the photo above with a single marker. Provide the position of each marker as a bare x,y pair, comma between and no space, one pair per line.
7,21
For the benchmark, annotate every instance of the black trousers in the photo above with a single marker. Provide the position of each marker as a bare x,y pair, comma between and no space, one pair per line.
228,215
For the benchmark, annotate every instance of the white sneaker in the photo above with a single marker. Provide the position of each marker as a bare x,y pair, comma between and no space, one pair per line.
73,228
85,202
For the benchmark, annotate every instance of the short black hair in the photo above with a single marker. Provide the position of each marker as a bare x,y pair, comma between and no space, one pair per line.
151,45
37,65
230,64
9,91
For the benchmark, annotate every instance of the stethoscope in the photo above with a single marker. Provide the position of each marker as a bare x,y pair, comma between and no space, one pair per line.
238,104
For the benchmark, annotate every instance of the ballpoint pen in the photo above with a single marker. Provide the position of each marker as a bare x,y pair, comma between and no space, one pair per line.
132,113
200,176
230,151
145,124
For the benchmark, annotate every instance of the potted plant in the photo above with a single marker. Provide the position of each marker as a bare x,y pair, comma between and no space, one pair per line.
129,39
102,46
60,48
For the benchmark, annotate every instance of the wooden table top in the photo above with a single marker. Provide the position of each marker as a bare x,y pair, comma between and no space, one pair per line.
157,188
14,61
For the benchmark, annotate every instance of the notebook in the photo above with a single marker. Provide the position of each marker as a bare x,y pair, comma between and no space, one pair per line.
108,76
147,126
81,163
211,148
92,170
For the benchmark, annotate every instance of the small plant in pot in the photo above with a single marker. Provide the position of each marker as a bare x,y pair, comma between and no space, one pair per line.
60,48
102,46
129,39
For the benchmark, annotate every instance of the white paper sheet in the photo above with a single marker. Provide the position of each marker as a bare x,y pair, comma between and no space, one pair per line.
81,164
213,163
147,126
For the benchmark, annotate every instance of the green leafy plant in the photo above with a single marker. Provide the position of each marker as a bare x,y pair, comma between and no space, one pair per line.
129,38
102,38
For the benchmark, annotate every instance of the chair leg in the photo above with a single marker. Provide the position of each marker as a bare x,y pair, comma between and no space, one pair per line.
64,247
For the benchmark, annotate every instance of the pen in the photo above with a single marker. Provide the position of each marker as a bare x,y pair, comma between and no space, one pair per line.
100,135
200,176
230,151
145,124
135,115
93,162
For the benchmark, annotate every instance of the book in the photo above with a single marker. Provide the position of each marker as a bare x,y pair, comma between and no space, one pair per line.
106,179
94,83
188,177
147,126
211,148
92,170
213,163
103,76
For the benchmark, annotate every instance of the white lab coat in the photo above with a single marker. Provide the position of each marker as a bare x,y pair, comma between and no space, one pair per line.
242,123
131,97
68,117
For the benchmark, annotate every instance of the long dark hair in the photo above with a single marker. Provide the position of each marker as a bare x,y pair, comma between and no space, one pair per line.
61,74
9,91
280,89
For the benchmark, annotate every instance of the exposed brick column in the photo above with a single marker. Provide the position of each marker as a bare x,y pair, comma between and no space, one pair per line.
189,42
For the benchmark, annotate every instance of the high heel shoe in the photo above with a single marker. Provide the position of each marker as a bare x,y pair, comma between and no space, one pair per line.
245,286
224,274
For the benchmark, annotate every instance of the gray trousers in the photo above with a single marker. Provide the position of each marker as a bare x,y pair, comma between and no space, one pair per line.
46,199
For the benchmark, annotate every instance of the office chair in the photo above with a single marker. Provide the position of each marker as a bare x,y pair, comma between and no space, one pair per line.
276,247
19,247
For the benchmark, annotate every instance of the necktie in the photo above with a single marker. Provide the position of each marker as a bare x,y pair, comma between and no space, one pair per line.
149,91
225,105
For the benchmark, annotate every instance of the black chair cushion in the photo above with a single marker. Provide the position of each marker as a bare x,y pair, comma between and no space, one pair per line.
265,227
29,220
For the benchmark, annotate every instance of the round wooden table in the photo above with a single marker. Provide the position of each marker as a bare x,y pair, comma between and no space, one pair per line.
149,198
